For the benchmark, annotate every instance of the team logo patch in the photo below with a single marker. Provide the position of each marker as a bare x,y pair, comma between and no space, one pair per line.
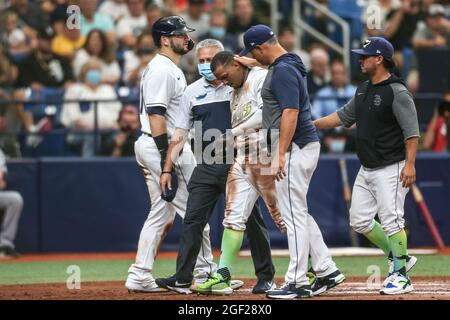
366,43
202,96
377,100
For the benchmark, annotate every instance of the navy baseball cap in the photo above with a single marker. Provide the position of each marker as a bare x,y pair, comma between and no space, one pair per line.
376,46
254,36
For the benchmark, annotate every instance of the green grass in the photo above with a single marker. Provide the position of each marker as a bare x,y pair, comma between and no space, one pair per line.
116,270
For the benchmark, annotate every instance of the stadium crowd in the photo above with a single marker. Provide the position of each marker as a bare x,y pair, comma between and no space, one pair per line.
51,73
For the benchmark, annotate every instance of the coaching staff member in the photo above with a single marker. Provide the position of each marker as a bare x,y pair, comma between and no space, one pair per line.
387,135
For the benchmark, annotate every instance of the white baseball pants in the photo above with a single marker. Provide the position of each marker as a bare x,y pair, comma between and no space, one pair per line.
304,236
378,191
162,213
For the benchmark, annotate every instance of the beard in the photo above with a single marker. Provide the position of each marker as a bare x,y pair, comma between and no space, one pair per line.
178,48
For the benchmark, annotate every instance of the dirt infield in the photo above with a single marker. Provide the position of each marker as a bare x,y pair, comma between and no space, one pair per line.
427,288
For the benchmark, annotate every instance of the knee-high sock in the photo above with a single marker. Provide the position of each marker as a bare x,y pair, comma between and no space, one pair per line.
231,244
379,238
399,248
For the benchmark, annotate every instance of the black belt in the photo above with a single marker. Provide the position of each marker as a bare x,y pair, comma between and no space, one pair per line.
147,134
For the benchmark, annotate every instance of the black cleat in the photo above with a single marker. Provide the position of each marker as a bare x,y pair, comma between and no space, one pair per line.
290,291
324,284
172,284
262,286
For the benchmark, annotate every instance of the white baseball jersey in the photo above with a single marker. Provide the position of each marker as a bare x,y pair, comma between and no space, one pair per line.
162,86
246,179
245,102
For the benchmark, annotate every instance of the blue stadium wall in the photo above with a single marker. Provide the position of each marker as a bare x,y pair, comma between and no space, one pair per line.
99,205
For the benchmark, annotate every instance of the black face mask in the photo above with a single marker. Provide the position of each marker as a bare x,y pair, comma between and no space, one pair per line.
146,50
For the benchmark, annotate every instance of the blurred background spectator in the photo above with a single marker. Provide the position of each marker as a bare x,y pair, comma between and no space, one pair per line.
29,13
137,60
286,37
243,18
115,9
435,32
11,203
196,18
19,40
328,99
400,26
67,42
91,19
131,26
10,123
97,46
153,13
42,68
121,143
81,115
319,75
218,30
435,138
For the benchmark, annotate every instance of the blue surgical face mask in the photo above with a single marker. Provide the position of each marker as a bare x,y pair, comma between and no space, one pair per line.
204,69
217,32
337,145
93,76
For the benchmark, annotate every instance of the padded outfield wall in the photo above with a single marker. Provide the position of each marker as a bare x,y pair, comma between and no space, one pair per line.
100,204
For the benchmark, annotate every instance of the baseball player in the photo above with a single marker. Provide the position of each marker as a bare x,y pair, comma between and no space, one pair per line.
246,177
206,102
387,135
12,203
295,153
162,86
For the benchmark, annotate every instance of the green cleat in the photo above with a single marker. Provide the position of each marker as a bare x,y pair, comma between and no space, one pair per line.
215,285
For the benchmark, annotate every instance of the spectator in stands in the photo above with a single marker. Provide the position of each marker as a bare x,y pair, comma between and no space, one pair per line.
286,37
335,95
338,140
436,32
8,71
318,76
218,5
29,13
243,18
12,203
218,30
19,44
90,19
42,68
137,60
153,14
81,115
436,136
121,144
115,9
97,45
131,26
67,42
196,18
9,117
401,24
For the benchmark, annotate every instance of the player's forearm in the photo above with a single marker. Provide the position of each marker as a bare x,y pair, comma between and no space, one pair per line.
287,129
159,133
330,121
411,150
176,145
254,122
